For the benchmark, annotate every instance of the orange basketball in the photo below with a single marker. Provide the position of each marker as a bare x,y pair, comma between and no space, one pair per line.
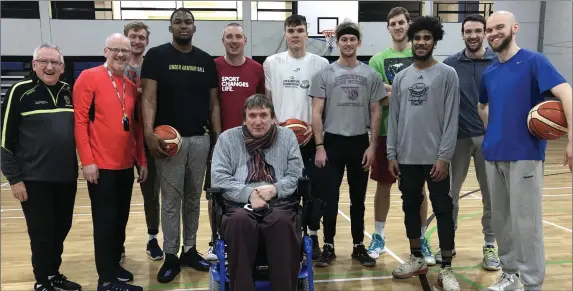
171,137
547,120
298,126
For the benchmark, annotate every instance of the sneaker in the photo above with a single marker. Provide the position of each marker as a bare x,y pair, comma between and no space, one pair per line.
359,252
377,246
122,258
211,256
170,269
153,250
124,275
505,282
438,256
61,283
194,260
427,252
46,286
490,259
118,286
326,256
315,247
447,280
413,267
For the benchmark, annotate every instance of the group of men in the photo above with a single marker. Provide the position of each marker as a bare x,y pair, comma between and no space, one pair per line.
414,120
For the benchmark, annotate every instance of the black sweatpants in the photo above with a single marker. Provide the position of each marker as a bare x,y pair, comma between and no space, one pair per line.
150,192
308,152
48,211
343,152
410,183
110,201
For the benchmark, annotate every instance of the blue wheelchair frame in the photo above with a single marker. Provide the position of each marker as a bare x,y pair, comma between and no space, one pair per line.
218,277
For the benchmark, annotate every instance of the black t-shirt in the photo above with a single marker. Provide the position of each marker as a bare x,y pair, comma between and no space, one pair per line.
183,84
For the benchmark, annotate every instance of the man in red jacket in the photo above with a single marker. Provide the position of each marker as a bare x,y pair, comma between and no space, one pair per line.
106,136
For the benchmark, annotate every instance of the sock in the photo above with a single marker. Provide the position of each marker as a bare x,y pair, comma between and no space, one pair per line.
152,236
423,232
489,244
417,252
313,232
446,261
379,228
187,248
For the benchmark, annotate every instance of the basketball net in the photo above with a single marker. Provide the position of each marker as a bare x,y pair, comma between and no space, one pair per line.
329,36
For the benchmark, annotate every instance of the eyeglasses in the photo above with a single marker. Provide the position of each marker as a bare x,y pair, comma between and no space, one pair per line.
45,63
117,50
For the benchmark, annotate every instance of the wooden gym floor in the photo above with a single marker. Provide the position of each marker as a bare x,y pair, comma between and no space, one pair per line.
345,274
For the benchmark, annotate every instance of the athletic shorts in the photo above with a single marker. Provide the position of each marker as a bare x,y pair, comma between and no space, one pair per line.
380,171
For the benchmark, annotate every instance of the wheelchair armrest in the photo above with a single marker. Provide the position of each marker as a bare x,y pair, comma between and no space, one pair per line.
213,191
215,198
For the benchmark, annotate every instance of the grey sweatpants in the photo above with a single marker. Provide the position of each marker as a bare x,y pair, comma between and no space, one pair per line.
517,218
466,148
181,179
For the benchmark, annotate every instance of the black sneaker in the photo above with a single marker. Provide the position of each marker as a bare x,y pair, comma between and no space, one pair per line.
326,257
359,252
153,250
118,286
315,247
124,275
169,270
46,286
192,259
61,283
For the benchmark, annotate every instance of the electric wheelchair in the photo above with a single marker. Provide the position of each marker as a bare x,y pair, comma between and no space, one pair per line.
218,274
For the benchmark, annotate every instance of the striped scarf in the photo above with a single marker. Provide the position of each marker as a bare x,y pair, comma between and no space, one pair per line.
259,170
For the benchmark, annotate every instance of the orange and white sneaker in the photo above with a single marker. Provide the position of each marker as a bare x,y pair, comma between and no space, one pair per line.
447,280
413,267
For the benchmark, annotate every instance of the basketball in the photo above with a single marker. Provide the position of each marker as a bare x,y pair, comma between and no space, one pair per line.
547,120
171,137
299,127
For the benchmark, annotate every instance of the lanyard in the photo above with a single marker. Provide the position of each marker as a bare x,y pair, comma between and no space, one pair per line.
121,100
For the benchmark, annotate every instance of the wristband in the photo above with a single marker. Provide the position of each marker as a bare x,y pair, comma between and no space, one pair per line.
320,144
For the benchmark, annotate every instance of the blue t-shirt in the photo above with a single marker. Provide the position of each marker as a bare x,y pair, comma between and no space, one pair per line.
511,89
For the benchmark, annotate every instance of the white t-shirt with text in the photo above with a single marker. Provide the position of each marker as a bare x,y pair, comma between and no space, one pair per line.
289,80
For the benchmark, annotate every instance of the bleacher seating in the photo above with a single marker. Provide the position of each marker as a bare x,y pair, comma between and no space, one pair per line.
12,72
80,66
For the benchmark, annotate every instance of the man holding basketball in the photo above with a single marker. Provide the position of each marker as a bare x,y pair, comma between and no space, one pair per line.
288,77
180,90
514,157
387,64
354,91
239,77
469,65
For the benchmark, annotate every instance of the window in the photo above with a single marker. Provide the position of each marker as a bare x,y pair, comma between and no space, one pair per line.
215,10
20,9
278,10
456,11
377,11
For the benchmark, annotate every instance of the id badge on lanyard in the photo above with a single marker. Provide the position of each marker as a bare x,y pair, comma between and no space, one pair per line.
124,119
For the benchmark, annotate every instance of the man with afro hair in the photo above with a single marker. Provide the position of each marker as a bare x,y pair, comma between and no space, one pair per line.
422,133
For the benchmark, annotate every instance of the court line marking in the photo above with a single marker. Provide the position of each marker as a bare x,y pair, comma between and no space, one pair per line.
558,226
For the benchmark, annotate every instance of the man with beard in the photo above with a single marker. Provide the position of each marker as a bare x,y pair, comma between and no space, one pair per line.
387,64
288,78
239,78
514,157
40,163
469,65
347,93
180,90
108,143
138,34
422,130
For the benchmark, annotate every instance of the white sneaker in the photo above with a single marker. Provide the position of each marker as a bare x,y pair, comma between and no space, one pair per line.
413,267
505,282
211,256
447,280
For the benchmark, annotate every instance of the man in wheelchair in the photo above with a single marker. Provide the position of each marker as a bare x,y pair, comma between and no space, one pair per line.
257,167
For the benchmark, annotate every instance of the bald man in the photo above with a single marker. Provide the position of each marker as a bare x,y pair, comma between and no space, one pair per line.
514,158
107,149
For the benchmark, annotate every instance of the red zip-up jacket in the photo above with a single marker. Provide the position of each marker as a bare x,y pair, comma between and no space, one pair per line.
99,131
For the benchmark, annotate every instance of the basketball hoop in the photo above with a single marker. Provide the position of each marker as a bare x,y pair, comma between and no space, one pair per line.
329,37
